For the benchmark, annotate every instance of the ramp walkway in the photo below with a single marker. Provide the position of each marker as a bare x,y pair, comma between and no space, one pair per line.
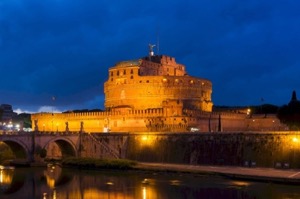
286,176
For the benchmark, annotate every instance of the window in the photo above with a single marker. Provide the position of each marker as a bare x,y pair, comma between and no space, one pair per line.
124,72
111,73
131,72
118,73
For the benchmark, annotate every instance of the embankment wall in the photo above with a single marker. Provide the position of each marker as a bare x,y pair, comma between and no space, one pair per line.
265,149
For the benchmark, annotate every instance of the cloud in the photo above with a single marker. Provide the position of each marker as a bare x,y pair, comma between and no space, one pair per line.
64,48
18,111
49,109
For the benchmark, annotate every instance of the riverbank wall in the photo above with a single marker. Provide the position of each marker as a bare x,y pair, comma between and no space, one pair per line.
250,149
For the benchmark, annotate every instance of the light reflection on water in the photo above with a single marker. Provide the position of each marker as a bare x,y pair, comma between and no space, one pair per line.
54,182
6,176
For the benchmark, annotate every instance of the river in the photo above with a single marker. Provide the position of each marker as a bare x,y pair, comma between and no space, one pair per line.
54,182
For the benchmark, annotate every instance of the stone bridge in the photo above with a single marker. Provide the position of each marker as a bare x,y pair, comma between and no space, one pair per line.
28,145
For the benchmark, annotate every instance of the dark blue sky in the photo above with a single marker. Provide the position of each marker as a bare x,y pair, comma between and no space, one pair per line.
249,49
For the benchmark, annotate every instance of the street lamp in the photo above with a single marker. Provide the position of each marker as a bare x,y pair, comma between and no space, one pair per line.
248,111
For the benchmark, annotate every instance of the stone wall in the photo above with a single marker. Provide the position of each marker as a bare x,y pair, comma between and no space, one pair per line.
171,118
104,145
261,149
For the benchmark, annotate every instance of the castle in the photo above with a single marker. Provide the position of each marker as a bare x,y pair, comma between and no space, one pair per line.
154,94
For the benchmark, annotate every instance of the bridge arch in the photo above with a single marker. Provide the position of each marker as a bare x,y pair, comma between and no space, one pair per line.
19,149
60,147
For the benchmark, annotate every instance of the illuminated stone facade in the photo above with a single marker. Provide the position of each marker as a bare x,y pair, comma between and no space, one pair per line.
151,82
152,94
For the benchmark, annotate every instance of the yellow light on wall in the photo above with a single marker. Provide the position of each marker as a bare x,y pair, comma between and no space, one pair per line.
145,138
295,140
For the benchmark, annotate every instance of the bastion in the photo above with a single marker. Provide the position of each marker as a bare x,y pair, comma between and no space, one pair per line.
154,94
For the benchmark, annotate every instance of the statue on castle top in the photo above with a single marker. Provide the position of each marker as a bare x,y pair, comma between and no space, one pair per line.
151,52
36,127
67,126
81,126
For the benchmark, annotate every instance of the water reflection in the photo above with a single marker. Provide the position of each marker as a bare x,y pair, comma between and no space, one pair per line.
6,176
55,182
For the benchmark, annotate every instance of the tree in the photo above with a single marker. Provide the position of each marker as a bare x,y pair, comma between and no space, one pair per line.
23,118
264,109
5,152
290,114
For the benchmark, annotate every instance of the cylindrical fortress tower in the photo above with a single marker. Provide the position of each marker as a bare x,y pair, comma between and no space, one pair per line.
149,82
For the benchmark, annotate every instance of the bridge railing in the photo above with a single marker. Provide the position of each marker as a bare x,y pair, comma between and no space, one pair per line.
14,133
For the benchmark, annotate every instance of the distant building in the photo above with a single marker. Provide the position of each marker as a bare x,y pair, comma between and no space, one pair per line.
7,112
